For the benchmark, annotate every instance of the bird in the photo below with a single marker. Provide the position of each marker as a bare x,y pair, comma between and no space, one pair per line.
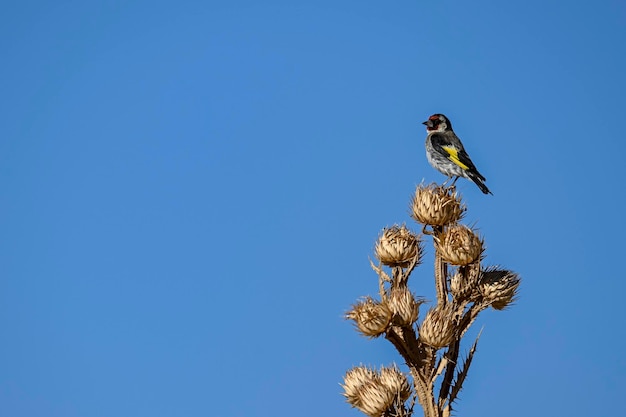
446,153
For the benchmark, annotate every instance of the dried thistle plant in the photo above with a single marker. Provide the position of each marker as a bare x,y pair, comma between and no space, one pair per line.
431,348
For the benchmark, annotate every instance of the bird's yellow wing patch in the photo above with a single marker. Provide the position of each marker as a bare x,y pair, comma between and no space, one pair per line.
453,154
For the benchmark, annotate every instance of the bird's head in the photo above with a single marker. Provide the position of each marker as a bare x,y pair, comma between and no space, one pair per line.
437,123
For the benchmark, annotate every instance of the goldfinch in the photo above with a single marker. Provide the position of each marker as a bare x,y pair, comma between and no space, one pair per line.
446,154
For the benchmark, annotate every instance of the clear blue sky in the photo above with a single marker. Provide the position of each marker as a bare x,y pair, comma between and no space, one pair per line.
189,193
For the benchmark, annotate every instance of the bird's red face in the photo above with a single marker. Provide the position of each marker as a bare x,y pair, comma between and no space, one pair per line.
436,123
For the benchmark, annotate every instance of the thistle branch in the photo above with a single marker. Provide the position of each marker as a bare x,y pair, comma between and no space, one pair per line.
458,384
452,355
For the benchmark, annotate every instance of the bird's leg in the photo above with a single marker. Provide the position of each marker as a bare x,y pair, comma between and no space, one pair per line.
445,184
453,186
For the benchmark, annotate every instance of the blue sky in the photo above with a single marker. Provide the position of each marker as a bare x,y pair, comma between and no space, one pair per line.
190,192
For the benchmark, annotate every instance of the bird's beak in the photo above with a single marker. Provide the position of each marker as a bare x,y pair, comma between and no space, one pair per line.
428,123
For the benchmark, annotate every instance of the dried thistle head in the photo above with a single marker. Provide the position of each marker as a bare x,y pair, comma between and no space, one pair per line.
397,246
464,284
371,317
436,206
459,245
354,379
403,305
396,382
439,326
499,287
364,390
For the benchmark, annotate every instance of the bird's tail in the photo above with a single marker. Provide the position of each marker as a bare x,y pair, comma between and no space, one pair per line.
479,180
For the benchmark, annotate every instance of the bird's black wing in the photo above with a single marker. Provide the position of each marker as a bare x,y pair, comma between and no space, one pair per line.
454,152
